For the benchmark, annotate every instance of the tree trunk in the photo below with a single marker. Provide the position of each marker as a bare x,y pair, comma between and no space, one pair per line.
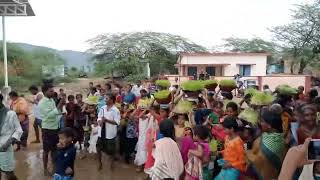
302,65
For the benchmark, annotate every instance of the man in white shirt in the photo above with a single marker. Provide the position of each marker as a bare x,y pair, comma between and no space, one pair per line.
136,89
37,120
109,120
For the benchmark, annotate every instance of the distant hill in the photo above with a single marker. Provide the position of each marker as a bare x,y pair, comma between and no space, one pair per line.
73,58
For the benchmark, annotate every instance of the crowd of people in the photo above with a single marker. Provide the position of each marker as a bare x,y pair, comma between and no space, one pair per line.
211,140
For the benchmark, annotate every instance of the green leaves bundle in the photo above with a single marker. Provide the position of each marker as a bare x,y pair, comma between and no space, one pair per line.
192,86
249,115
228,83
163,83
183,107
286,90
164,94
209,82
261,99
250,91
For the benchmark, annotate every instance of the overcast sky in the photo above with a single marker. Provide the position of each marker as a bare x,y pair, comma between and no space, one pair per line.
67,24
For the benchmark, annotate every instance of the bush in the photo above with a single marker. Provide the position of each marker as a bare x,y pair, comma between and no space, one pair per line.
20,83
65,79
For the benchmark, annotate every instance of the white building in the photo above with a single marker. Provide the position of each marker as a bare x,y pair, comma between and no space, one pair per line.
222,64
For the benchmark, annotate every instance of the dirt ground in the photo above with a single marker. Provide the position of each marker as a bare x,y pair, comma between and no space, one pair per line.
29,164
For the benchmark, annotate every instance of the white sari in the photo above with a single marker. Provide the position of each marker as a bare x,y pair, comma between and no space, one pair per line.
10,129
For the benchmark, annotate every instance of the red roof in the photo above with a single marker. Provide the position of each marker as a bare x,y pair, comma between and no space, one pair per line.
224,54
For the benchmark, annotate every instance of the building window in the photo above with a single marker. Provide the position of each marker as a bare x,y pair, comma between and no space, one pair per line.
211,71
245,70
192,70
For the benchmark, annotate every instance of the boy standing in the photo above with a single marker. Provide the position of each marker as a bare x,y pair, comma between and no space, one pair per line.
66,155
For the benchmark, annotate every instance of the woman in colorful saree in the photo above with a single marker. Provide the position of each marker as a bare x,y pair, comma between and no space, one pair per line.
168,161
269,149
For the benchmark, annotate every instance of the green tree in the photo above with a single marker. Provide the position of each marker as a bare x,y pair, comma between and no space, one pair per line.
27,66
254,45
300,37
124,52
18,59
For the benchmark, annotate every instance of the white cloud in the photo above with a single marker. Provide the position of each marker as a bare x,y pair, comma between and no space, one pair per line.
67,24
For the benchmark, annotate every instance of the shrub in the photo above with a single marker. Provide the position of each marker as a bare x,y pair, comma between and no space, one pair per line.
65,79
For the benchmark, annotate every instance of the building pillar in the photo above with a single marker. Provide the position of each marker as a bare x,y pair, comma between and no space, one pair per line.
260,82
308,83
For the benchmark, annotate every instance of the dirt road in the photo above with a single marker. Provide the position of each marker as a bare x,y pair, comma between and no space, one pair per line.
30,167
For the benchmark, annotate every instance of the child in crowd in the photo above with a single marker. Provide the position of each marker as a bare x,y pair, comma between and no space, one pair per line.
66,155
233,162
144,100
218,109
90,111
95,129
71,112
179,127
131,137
81,123
232,109
247,136
61,93
63,117
200,156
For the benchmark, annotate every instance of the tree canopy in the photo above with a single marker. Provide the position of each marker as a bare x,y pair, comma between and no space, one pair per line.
300,39
254,45
249,45
126,51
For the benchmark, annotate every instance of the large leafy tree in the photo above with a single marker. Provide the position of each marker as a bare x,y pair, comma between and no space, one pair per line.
125,52
254,45
301,38
249,45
